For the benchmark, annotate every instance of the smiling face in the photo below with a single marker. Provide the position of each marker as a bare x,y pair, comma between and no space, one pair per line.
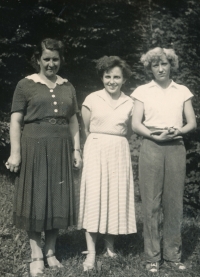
113,80
49,63
161,70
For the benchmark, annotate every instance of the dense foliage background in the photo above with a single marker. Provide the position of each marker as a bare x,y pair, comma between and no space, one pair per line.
91,29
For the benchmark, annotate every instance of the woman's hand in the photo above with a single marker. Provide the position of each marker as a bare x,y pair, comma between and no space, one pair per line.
164,136
77,160
13,163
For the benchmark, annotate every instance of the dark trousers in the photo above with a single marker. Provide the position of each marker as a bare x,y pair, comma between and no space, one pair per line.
162,176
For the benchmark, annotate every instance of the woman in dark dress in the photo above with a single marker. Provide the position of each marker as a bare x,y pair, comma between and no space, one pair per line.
44,153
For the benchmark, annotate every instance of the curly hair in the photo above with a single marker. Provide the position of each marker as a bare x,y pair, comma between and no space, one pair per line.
50,44
157,54
105,63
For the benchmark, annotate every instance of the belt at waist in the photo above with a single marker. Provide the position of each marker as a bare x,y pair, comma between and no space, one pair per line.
98,133
51,120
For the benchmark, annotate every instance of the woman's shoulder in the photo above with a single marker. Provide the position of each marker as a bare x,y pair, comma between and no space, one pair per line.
180,86
24,81
95,94
140,90
183,90
24,84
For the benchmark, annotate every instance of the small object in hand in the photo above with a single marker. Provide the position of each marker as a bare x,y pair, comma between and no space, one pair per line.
171,130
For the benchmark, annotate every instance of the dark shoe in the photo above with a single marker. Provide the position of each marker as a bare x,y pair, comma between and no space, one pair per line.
57,265
153,267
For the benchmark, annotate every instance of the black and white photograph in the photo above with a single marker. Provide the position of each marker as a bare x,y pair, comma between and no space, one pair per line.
99,138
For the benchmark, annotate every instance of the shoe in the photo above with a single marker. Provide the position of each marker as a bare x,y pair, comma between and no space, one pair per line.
89,262
36,272
177,265
153,267
56,266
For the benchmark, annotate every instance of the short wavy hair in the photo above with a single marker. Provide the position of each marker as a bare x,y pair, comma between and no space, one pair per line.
50,44
156,54
106,63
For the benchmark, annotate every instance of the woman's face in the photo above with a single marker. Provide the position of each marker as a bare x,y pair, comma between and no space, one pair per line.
161,70
49,63
113,80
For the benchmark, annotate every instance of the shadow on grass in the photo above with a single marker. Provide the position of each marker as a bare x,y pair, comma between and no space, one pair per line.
190,237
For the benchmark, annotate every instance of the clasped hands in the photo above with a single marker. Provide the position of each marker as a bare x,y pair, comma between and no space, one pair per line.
166,135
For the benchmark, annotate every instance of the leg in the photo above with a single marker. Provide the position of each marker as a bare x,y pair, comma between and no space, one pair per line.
109,245
173,201
50,243
37,264
91,239
151,175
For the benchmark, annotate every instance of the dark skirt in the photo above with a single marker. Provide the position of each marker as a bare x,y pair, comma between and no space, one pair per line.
44,193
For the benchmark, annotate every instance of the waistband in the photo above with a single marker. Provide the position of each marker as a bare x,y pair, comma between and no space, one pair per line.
117,135
51,120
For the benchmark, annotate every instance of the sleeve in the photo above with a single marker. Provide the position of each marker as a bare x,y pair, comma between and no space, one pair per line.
75,104
187,94
19,102
138,94
88,102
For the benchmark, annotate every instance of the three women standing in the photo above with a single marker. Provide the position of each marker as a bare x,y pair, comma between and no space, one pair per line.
162,163
45,105
107,191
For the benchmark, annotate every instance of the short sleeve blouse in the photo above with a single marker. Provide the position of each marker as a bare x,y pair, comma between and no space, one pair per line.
162,107
37,101
106,119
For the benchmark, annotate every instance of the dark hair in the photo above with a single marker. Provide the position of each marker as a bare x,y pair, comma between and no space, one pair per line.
50,44
106,63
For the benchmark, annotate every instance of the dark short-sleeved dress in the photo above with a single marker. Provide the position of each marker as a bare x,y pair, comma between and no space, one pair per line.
44,193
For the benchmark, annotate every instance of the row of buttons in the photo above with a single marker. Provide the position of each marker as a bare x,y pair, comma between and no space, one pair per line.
55,102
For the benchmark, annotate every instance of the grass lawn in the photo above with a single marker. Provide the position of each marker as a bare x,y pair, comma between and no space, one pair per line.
15,250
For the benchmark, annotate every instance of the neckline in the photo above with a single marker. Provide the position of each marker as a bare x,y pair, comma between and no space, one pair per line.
171,81
37,79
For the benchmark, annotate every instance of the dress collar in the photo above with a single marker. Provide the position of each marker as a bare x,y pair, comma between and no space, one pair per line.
104,95
154,84
36,78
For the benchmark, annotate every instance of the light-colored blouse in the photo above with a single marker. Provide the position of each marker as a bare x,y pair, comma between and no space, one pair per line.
106,119
162,107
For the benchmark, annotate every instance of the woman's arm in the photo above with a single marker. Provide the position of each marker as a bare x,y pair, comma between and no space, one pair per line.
140,129
74,131
137,117
14,160
86,114
190,119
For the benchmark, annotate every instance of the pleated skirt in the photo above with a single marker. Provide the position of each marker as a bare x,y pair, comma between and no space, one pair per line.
107,189
44,192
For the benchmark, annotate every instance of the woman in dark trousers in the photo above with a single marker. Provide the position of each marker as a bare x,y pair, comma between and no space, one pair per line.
45,105
162,104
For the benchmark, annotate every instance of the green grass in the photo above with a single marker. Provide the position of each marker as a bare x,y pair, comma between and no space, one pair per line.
15,250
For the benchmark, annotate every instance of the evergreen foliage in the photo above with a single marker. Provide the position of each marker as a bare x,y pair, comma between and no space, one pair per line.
91,29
